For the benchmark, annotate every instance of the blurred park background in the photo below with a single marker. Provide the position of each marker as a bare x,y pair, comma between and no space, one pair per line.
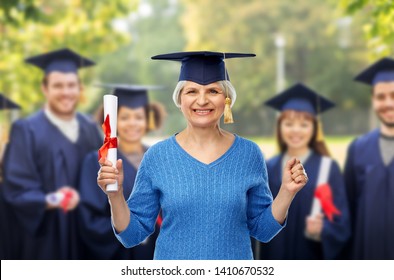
323,44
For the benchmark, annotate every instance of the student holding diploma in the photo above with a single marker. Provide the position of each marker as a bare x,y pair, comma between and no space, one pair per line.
132,117
318,224
210,185
43,161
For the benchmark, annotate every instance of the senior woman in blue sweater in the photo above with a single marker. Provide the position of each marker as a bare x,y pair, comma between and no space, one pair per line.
211,185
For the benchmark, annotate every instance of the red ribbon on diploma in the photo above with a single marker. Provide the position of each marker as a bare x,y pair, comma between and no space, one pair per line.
324,194
108,141
66,200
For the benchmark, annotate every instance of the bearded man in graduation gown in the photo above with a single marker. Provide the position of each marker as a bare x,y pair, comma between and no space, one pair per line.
369,172
43,158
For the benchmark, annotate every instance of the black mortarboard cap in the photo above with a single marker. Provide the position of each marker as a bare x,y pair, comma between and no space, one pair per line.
380,71
132,96
300,98
202,67
63,60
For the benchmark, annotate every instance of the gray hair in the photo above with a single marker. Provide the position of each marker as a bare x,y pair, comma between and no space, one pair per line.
226,86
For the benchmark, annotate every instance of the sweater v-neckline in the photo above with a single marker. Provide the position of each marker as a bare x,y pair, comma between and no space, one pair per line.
213,163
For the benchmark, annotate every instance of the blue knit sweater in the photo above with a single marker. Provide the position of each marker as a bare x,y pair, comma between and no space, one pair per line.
209,210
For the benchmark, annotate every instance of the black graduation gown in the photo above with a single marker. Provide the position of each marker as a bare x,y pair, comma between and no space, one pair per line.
39,160
3,224
96,228
9,231
370,188
291,243
10,246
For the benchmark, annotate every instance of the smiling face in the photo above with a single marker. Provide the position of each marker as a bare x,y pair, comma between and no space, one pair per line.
202,105
62,92
132,124
383,103
296,129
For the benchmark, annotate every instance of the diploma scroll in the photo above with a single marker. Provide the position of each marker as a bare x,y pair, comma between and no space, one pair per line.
111,110
322,180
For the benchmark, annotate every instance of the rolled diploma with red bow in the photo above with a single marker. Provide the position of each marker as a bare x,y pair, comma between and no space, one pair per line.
111,109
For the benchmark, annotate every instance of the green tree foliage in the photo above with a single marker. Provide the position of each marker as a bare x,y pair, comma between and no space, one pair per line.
320,49
18,11
378,23
314,53
30,27
156,29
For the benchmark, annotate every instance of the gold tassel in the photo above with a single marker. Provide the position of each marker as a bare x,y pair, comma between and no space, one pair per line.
320,135
228,115
152,125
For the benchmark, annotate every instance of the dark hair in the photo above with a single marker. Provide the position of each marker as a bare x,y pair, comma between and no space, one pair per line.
158,110
317,146
45,80
98,114
159,113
